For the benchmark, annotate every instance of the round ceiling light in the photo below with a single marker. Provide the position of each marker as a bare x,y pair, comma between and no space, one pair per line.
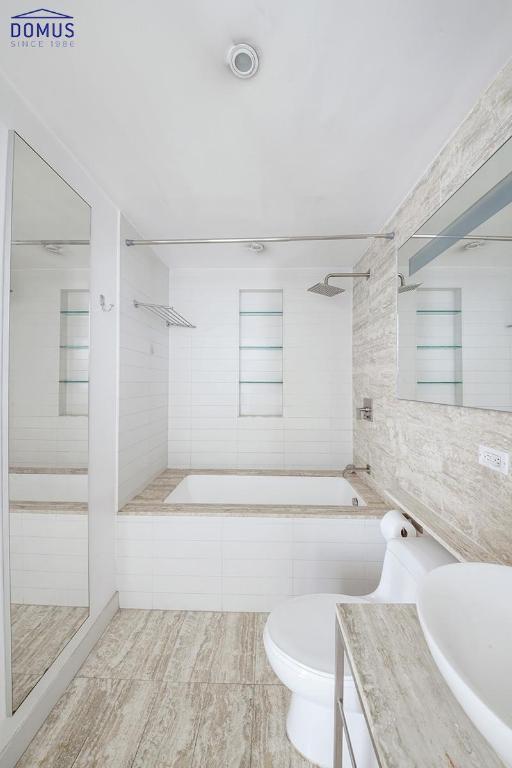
243,60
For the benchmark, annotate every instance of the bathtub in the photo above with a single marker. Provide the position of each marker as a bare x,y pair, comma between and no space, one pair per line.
264,489
51,487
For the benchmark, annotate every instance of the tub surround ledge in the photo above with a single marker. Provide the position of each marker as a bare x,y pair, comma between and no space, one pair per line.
48,471
50,507
412,716
151,500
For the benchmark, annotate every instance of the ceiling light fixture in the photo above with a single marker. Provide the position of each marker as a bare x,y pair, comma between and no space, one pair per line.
243,60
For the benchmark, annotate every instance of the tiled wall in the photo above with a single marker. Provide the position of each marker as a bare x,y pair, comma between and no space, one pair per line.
48,556
431,450
143,370
242,563
484,364
205,430
38,436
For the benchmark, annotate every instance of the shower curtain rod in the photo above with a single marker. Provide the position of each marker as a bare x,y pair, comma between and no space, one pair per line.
282,239
50,242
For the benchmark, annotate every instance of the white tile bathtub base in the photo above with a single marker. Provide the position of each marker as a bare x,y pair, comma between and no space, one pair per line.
49,554
242,564
53,487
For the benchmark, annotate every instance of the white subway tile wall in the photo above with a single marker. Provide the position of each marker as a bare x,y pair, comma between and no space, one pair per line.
242,563
49,554
38,436
205,430
143,371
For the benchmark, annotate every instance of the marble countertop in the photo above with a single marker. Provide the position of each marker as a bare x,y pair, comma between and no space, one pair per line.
413,717
151,500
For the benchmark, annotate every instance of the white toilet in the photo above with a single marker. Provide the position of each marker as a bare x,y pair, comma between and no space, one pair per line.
299,642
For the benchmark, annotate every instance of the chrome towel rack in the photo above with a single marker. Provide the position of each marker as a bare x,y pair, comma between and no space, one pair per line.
167,314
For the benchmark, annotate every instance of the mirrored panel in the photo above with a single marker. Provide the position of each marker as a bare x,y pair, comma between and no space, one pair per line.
48,416
455,296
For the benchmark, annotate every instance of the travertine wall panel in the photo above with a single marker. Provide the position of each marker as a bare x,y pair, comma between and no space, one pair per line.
431,450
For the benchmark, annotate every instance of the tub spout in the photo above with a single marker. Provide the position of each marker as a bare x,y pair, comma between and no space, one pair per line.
352,469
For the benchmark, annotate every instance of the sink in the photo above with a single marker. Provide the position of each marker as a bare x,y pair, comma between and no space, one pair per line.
465,610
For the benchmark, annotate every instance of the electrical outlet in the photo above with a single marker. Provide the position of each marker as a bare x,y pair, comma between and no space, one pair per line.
496,460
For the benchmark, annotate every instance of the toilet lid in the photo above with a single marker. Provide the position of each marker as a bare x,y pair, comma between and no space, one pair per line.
303,628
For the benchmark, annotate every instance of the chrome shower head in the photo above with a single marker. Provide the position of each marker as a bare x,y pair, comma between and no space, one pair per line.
332,290
404,287
325,289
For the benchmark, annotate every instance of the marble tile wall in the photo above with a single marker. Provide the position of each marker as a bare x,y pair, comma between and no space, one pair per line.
431,450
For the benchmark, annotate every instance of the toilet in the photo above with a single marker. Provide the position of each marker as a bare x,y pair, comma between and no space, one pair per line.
299,643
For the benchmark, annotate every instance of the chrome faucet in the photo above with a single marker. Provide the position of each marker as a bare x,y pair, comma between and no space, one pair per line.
353,469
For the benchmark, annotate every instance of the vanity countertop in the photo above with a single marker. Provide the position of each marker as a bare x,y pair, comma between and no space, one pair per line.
151,500
413,717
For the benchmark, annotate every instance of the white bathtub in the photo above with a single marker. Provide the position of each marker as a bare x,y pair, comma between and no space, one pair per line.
264,489
40,487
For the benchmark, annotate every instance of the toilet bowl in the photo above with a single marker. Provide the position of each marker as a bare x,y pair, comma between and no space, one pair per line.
299,642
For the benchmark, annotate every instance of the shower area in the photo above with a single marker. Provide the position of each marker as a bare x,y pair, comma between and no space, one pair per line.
235,425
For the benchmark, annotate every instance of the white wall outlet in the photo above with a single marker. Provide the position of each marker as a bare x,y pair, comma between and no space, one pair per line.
496,460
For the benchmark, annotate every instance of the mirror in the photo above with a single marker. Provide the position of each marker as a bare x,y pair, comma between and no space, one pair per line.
455,296
48,416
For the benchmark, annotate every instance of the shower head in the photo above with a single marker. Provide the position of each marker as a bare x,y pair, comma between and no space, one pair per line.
404,287
325,289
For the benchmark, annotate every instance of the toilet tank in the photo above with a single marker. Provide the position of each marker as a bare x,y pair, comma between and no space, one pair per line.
406,562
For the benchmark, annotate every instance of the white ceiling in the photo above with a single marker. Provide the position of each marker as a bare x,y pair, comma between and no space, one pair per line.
44,207
351,103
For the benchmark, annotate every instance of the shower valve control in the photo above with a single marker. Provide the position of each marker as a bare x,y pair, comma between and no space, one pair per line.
366,412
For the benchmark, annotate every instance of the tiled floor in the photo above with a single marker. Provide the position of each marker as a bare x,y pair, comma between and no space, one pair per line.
171,689
39,633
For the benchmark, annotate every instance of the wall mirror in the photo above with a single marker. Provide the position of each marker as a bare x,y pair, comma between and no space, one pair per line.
455,296
48,416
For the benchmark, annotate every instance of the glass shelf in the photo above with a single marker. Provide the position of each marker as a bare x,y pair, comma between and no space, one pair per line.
438,311
439,346
261,382
74,311
73,346
266,347
439,382
73,381
261,313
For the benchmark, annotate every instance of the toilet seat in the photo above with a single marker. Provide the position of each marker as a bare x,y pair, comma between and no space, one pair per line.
302,629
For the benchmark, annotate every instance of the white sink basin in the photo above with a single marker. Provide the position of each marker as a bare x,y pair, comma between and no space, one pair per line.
465,610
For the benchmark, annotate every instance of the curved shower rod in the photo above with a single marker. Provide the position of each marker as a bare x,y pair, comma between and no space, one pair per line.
280,239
